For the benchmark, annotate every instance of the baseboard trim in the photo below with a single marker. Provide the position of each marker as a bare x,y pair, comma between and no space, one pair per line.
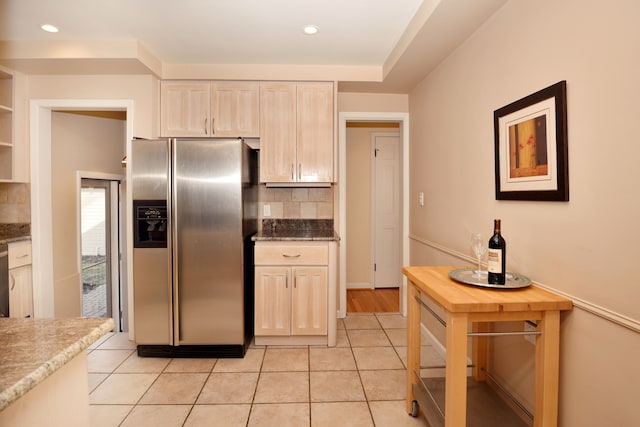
359,285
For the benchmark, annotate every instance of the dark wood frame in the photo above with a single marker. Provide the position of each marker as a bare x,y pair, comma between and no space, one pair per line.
560,168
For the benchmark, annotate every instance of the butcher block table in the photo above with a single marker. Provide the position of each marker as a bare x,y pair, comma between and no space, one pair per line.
463,305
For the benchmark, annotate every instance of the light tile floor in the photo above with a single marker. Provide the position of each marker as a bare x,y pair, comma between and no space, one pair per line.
358,383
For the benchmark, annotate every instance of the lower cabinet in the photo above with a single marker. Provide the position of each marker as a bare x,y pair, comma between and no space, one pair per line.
20,286
291,301
292,293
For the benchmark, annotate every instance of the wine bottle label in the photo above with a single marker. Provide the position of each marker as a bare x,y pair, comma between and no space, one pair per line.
494,261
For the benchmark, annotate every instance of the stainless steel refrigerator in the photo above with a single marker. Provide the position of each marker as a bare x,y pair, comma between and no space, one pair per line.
195,210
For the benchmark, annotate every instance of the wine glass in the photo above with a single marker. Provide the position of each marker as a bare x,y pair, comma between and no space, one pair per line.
479,247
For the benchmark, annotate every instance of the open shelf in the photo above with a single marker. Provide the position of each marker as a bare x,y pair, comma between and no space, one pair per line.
6,126
485,408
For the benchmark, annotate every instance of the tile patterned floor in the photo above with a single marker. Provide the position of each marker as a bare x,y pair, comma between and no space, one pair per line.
359,383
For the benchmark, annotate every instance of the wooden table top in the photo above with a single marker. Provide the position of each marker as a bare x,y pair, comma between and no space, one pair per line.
460,298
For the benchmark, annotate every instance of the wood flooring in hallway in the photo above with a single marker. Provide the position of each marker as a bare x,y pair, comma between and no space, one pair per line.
381,300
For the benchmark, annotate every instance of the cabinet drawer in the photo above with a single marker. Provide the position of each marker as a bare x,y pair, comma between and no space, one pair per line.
19,254
292,255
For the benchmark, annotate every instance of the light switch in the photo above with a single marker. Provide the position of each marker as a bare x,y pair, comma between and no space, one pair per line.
421,198
266,210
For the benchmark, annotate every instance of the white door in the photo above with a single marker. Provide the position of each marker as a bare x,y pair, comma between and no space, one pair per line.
387,210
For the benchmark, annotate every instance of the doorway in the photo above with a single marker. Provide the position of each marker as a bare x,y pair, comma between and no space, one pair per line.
41,196
350,243
99,248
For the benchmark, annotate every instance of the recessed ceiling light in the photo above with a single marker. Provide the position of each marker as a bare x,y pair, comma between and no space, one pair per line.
49,28
310,30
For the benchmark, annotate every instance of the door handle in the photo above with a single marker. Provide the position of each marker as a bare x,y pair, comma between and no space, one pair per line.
291,255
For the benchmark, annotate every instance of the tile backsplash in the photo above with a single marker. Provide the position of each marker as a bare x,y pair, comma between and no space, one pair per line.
284,203
296,203
15,202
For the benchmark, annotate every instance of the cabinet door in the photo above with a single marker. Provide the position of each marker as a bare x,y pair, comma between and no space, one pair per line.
315,132
273,301
20,293
309,311
185,109
277,132
235,109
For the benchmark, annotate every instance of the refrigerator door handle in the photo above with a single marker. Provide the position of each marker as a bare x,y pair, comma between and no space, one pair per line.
173,253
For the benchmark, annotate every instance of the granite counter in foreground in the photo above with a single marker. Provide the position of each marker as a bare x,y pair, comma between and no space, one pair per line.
34,349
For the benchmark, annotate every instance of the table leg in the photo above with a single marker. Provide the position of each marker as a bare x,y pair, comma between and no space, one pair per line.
547,370
413,343
456,370
479,350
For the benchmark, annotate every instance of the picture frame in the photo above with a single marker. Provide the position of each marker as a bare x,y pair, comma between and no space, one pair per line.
531,153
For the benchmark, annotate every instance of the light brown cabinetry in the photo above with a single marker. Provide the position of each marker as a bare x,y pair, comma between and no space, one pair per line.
292,301
235,109
292,293
185,109
209,109
20,286
296,133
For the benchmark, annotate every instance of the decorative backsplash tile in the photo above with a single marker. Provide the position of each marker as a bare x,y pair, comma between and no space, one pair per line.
15,202
296,203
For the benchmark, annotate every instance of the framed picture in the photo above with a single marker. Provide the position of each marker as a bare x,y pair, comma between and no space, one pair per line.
531,147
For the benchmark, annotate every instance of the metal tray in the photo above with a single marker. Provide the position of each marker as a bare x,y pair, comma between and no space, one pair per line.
465,275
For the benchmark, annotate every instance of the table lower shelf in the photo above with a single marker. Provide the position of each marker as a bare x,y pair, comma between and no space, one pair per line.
484,407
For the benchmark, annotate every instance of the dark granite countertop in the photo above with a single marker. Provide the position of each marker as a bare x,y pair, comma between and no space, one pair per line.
296,229
10,232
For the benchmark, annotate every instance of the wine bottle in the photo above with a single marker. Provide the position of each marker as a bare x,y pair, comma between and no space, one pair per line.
497,256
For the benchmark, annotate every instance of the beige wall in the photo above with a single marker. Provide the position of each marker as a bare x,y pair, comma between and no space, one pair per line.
373,102
142,89
78,143
582,248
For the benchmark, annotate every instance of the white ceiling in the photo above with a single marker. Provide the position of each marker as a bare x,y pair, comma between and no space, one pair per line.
353,33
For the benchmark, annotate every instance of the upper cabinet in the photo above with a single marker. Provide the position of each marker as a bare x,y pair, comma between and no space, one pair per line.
185,109
204,109
296,133
6,126
235,109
